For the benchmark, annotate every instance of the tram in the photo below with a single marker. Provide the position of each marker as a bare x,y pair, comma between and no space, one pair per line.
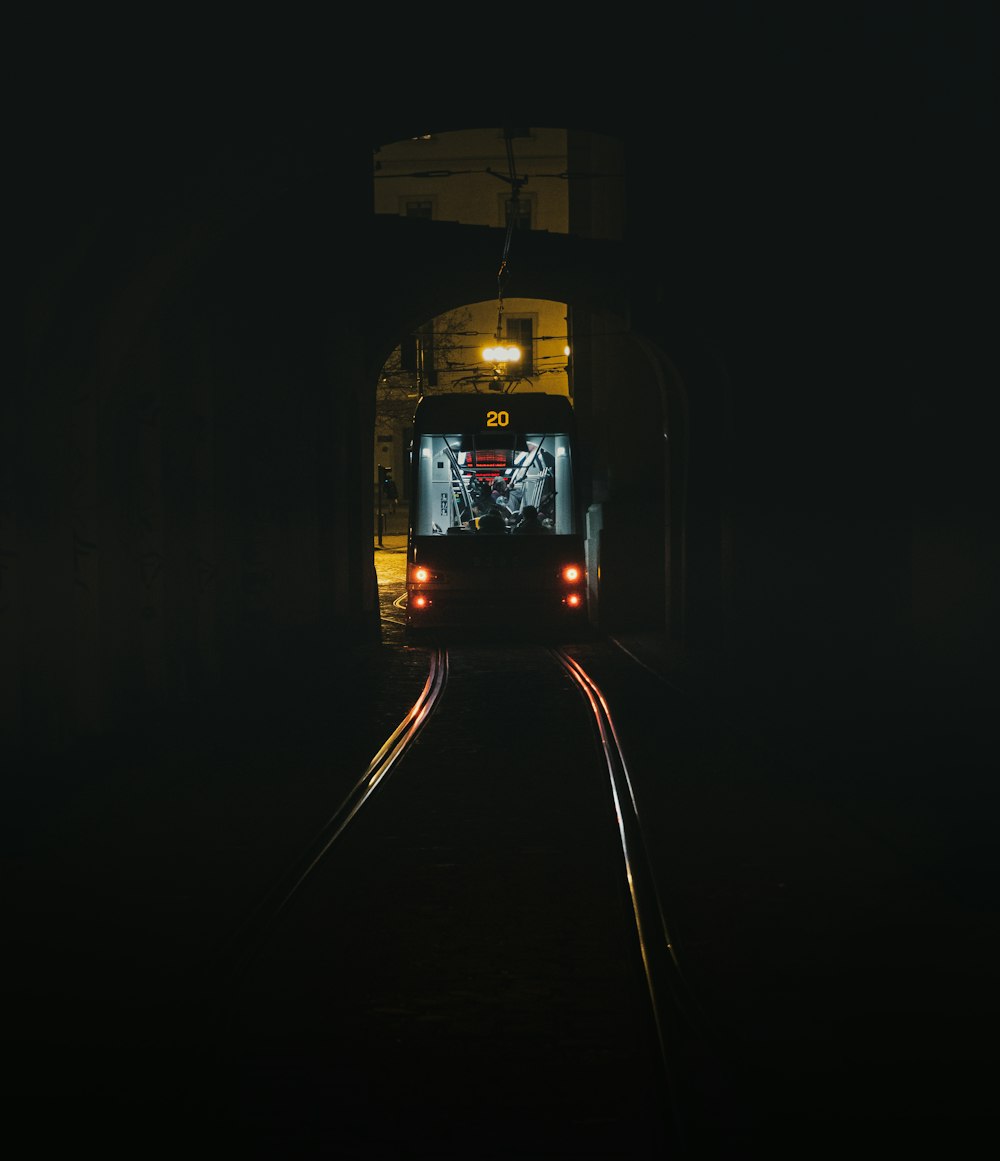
494,535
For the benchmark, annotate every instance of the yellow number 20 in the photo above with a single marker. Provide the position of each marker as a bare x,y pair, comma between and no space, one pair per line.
497,418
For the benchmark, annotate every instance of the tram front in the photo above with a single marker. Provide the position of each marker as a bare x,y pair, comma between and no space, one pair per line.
494,536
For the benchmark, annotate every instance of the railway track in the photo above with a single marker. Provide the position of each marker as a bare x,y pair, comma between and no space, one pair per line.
470,959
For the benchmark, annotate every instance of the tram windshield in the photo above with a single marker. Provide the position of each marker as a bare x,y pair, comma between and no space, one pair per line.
462,478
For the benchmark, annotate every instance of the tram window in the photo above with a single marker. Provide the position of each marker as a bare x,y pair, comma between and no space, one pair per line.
457,474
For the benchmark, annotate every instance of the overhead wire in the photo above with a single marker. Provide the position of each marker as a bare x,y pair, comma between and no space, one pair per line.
503,272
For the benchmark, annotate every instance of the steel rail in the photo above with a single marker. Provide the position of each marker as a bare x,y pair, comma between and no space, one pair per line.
668,993
205,1007
281,893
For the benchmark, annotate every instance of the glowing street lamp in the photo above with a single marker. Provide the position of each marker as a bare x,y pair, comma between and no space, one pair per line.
501,355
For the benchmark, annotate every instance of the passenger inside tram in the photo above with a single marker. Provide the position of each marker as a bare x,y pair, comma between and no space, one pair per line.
492,520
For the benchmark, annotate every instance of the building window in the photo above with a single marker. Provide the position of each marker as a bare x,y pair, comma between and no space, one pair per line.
522,332
418,208
520,211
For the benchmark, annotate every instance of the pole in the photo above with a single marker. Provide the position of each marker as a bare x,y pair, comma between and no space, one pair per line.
381,518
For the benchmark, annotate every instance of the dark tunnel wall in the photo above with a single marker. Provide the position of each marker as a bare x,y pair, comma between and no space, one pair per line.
187,455
181,532
621,407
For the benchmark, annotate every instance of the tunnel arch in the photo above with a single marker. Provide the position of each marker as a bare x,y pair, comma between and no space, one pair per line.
655,571
464,261
230,341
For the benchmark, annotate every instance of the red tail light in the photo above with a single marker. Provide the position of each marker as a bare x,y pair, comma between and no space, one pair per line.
573,600
421,574
572,573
